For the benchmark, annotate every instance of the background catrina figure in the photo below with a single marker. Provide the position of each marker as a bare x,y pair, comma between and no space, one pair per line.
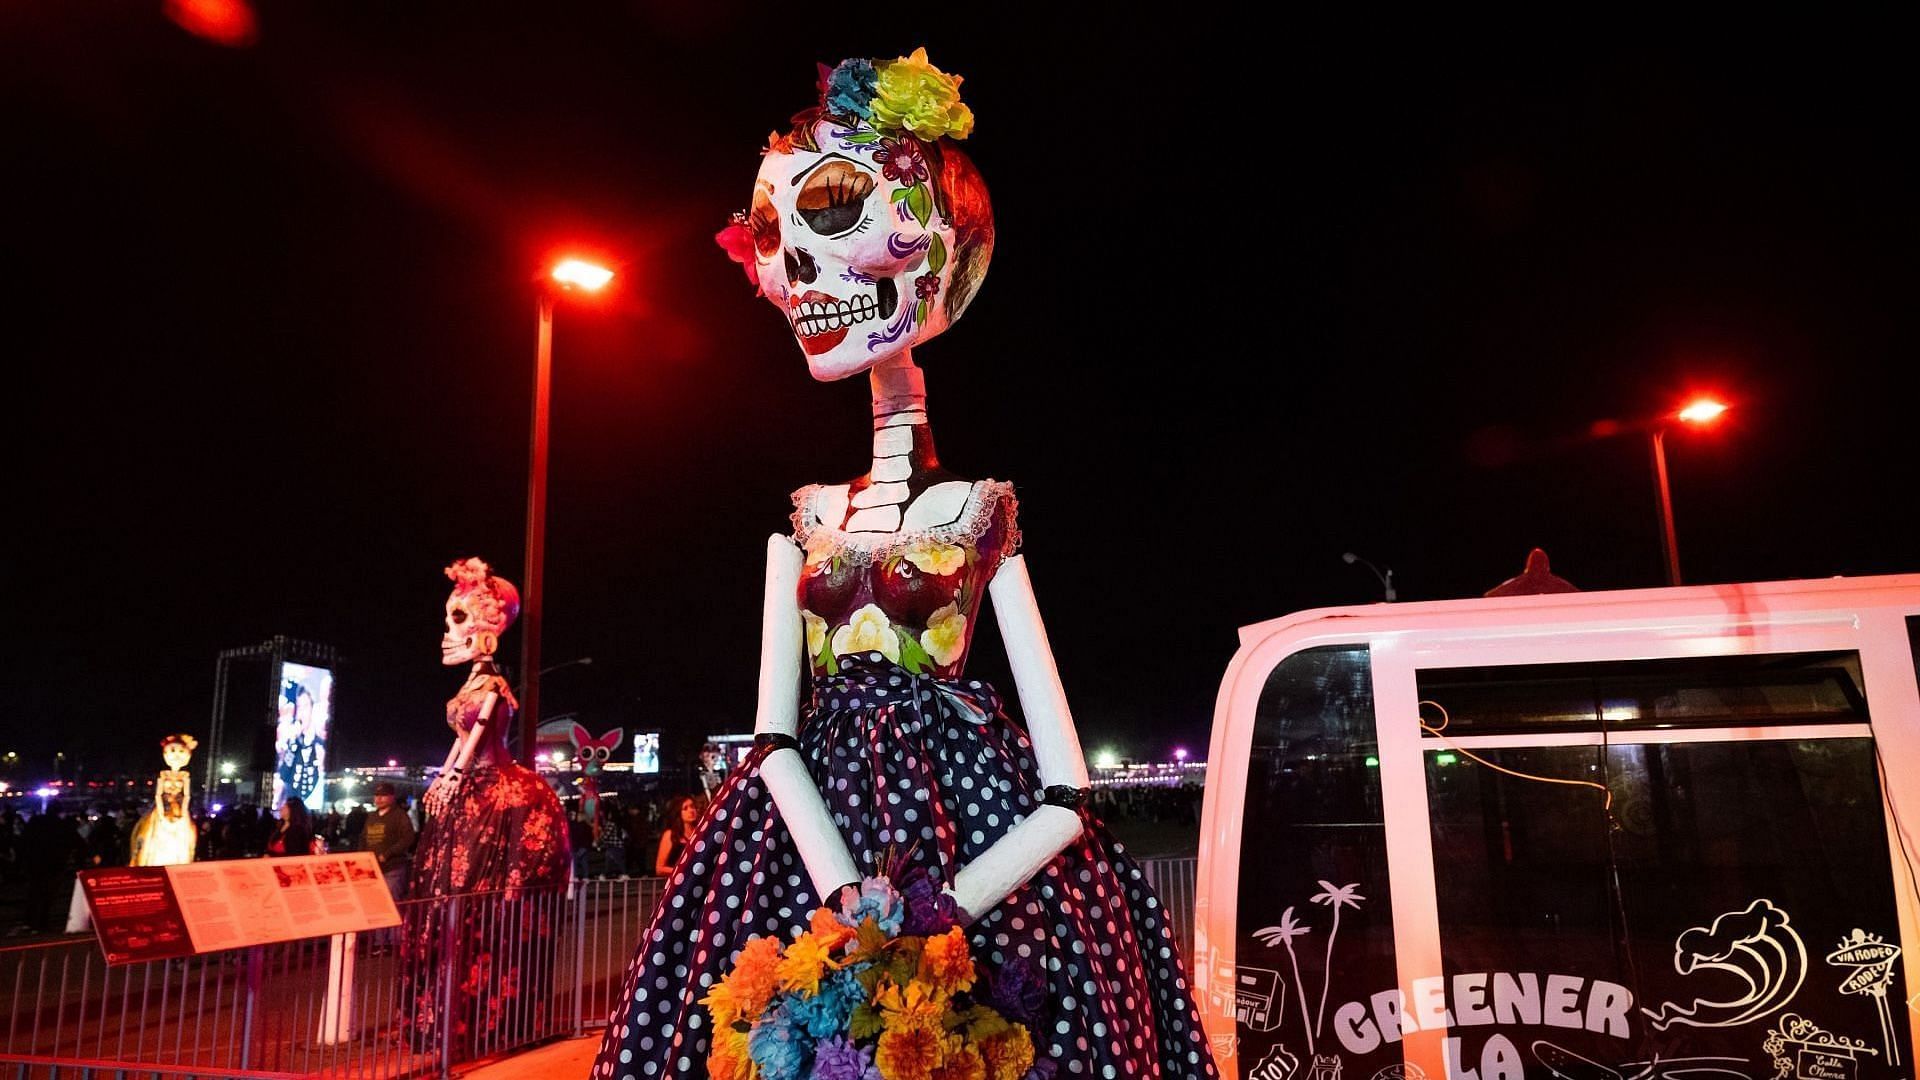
492,825
165,836
871,231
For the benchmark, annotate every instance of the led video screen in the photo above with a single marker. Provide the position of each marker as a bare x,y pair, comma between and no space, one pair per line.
646,752
305,701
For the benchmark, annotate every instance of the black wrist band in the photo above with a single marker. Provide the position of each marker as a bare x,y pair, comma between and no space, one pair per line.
1068,798
776,740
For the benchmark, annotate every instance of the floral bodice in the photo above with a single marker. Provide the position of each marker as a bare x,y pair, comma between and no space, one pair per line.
463,708
912,596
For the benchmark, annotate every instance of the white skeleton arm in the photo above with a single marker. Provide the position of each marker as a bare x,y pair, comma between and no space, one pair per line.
1009,861
440,793
782,658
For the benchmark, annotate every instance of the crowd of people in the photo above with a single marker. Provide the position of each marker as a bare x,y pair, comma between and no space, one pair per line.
39,852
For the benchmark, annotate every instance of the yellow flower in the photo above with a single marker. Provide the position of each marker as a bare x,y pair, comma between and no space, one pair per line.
807,959
722,1003
1009,1054
869,630
946,964
913,94
936,558
945,634
816,632
729,1060
908,1055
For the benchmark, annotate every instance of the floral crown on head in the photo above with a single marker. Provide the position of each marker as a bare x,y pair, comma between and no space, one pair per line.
469,574
905,96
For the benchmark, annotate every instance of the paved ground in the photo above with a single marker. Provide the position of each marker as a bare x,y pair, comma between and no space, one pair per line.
569,1060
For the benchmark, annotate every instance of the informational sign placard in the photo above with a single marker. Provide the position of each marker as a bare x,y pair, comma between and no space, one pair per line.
210,906
135,914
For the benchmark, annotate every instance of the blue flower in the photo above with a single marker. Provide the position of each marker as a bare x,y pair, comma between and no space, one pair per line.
829,1011
850,89
778,1046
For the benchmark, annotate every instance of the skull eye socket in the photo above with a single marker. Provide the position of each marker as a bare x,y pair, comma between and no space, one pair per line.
459,616
764,220
834,198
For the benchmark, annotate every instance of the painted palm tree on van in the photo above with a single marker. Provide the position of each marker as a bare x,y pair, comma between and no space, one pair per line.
1334,897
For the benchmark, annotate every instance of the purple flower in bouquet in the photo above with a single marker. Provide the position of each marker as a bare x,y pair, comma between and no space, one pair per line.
838,1059
778,1046
1042,1070
1018,991
877,901
929,909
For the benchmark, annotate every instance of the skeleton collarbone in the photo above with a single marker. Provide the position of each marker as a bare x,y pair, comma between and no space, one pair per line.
892,508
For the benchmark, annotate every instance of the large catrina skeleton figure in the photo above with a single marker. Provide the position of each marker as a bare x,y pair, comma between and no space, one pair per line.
166,835
870,232
479,610
492,826
492,823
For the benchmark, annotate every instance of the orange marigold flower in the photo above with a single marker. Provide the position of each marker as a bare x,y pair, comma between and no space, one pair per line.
1009,1054
754,975
962,1062
826,926
946,963
806,961
908,1054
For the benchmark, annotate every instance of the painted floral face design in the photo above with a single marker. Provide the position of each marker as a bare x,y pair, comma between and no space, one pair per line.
851,247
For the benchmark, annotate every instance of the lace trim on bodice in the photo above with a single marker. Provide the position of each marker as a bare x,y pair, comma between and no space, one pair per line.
865,548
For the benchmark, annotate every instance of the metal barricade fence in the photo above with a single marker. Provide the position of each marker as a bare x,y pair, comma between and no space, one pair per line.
464,978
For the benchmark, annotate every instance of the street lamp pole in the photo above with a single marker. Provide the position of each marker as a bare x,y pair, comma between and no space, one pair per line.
1669,546
534,593
1385,577
568,274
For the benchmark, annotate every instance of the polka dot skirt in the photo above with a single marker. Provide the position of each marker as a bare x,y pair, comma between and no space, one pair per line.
921,772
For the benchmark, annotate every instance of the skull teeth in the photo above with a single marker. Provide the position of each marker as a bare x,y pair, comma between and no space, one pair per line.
815,318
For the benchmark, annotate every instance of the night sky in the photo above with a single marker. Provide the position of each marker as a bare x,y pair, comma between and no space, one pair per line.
1260,295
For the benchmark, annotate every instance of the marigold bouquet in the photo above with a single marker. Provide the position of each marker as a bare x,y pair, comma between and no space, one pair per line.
882,989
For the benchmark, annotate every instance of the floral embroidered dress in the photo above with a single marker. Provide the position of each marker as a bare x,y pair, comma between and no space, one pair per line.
920,768
502,846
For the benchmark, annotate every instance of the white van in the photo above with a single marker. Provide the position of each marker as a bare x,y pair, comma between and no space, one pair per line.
1593,836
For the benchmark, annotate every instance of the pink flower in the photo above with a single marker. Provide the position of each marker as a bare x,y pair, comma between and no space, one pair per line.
737,241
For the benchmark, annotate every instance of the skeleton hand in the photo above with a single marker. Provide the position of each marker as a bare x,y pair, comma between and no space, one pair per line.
441,792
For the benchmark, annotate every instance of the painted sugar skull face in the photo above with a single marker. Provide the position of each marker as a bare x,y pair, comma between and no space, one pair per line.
862,243
479,610
176,753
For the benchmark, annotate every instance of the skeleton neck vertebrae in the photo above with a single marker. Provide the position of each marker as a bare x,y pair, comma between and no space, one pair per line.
904,462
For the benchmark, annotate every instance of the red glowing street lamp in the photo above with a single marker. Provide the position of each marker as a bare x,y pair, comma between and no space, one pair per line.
567,275
1699,412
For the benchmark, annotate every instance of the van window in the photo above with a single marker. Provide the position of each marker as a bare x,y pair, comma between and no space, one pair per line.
1315,914
1628,695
